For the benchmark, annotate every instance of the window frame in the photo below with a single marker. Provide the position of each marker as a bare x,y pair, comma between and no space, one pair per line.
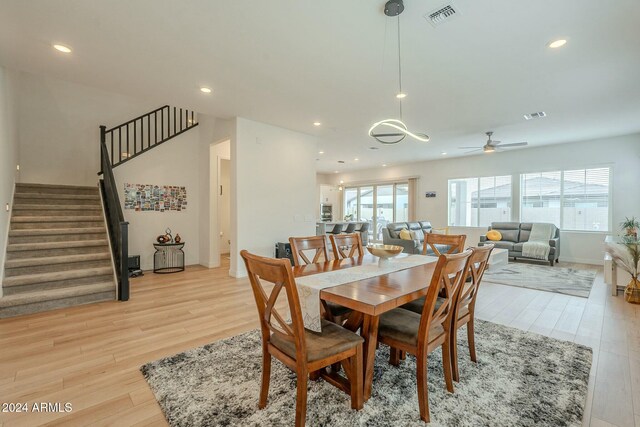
479,207
562,190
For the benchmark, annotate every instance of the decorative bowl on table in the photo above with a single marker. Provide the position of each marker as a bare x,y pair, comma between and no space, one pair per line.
384,252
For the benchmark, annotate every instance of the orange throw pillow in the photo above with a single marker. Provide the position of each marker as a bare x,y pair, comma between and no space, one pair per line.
494,235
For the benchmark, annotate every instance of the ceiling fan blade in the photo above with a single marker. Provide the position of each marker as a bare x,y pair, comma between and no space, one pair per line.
493,142
467,148
473,151
515,144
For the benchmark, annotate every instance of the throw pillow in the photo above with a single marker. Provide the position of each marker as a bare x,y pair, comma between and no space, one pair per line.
494,235
405,234
417,235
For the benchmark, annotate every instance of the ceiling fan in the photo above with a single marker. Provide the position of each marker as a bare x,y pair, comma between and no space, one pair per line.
492,146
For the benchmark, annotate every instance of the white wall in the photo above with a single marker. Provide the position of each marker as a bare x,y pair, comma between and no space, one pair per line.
8,154
274,179
621,153
175,162
59,134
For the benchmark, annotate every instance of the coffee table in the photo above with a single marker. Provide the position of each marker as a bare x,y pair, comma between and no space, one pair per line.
499,258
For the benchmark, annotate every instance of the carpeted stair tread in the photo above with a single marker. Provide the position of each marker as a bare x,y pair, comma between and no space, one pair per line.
15,247
48,207
55,294
30,262
57,218
55,231
30,279
62,196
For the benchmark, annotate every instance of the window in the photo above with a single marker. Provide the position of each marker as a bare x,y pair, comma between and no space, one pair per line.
476,202
378,205
572,199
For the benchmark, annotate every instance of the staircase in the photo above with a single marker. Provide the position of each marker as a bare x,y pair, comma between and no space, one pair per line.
58,252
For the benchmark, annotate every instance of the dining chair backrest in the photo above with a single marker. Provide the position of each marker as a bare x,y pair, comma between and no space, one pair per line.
346,245
478,263
317,245
449,275
351,227
277,272
364,228
454,241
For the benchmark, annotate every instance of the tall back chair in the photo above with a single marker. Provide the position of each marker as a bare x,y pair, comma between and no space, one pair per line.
314,243
465,309
420,334
351,227
302,352
364,233
346,245
454,241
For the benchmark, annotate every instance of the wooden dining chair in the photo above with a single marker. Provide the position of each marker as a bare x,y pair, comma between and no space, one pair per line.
346,245
301,350
420,334
317,245
465,308
333,312
454,241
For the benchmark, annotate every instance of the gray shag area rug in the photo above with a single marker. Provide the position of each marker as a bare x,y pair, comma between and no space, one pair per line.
568,281
521,379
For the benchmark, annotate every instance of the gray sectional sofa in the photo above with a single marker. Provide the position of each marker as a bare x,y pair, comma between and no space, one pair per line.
514,234
391,236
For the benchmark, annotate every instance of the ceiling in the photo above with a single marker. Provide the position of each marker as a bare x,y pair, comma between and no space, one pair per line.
290,63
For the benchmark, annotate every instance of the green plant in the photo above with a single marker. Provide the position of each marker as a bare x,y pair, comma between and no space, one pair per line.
626,255
630,223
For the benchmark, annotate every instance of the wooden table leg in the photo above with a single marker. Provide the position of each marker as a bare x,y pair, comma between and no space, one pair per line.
370,335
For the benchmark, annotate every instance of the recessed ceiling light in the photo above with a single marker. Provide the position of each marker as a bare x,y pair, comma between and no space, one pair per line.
205,89
401,95
557,43
356,159
62,48
444,153
317,123
335,171
320,152
384,165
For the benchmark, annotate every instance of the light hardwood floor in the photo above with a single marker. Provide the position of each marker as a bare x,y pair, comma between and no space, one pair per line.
90,355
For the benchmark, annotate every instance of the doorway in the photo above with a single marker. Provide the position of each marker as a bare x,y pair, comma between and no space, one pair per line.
224,209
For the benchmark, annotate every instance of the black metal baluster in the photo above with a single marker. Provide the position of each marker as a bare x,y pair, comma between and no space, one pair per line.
148,130
192,121
155,128
174,120
181,120
119,142
161,125
111,138
135,138
127,143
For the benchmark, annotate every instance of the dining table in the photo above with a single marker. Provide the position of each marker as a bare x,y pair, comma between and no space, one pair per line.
370,298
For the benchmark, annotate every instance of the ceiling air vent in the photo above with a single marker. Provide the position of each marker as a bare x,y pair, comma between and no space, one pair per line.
537,115
442,14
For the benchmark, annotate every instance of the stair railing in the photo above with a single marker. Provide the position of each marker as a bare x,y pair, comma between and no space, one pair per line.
117,226
130,139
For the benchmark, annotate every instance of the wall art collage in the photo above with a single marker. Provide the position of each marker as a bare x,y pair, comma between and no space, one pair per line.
157,198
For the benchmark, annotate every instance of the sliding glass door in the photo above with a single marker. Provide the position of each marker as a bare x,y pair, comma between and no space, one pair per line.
378,205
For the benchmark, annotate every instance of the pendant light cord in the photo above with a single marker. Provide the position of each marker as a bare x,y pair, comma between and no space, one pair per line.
399,67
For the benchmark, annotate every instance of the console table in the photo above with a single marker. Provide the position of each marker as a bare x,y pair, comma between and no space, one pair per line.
169,258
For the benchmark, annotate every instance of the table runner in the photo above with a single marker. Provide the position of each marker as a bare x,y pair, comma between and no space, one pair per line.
309,287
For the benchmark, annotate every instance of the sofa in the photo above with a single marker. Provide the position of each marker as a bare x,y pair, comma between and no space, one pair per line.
391,236
515,234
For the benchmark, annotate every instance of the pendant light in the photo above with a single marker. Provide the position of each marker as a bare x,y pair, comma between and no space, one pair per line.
392,131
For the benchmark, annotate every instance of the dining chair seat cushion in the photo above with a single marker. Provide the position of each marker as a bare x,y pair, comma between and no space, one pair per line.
416,306
332,340
338,310
403,325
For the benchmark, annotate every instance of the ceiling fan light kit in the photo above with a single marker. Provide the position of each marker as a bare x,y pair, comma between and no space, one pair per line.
397,130
492,146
